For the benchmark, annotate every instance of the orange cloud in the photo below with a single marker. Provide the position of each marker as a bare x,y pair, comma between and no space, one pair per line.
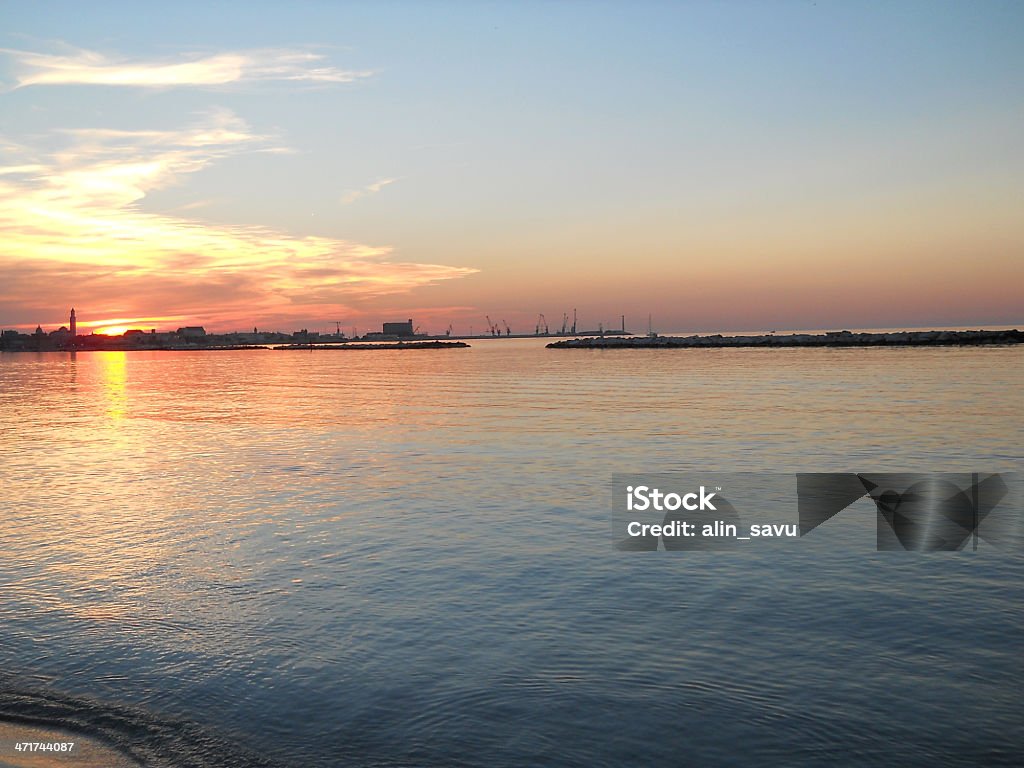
74,233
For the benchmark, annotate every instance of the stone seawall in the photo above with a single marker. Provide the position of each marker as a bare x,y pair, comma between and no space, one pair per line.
832,339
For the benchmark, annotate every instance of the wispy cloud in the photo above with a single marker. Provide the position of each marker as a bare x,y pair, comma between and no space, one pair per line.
84,67
6,170
75,232
371,189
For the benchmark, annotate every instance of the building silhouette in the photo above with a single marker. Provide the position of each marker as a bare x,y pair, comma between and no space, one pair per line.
398,329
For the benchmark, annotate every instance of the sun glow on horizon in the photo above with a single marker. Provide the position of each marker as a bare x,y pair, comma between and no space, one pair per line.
114,325
112,330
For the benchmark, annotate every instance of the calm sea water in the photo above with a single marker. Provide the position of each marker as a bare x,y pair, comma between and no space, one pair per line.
403,558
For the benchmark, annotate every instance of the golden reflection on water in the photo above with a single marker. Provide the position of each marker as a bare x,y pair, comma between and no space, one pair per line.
113,371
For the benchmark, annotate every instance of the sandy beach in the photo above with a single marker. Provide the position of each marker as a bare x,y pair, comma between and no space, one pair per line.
87,753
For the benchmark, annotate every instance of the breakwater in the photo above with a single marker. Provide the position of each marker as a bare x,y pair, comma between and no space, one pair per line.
831,339
379,345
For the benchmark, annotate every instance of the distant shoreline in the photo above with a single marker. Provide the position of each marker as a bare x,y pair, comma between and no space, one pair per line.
831,339
246,347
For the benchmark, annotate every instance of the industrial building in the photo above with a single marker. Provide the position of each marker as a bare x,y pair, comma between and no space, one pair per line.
399,329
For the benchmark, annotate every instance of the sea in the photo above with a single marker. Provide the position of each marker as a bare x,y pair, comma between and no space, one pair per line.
404,558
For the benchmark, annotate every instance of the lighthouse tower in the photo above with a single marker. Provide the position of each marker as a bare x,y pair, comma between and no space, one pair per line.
73,325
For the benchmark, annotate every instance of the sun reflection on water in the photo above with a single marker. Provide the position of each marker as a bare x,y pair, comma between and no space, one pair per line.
113,371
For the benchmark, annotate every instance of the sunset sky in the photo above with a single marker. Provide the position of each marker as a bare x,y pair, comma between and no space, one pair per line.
718,165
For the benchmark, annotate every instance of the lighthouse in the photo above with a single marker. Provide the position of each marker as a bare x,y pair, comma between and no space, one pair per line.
73,325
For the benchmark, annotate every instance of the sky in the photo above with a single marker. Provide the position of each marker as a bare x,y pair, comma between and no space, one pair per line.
712,165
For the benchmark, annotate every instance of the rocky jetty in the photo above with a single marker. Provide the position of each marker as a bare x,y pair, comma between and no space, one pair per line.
831,339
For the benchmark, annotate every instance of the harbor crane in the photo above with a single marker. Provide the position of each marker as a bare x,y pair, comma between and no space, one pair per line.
491,326
541,323
565,322
508,331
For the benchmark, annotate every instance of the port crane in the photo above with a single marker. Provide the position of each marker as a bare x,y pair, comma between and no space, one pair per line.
541,323
508,331
492,326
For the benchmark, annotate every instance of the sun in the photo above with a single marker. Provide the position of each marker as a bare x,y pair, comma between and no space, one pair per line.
112,330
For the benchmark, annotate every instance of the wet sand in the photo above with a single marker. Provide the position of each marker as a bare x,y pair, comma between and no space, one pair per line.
87,753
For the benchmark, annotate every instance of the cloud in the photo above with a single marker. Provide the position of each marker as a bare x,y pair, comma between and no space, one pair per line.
83,67
75,234
20,169
350,197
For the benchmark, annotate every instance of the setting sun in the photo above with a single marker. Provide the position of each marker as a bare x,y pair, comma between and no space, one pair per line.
112,330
